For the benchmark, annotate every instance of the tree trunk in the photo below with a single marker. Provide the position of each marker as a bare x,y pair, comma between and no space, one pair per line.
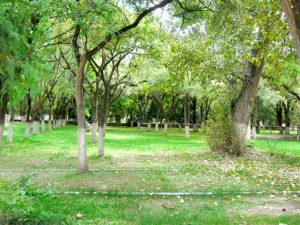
101,141
195,126
156,126
287,119
82,152
166,128
186,116
131,123
3,109
2,121
28,119
50,120
94,131
95,114
148,126
279,111
138,124
248,134
36,127
27,129
242,108
254,121
102,122
291,9
10,127
43,126
187,131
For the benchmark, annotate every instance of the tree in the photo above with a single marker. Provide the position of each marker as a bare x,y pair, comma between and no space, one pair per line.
291,10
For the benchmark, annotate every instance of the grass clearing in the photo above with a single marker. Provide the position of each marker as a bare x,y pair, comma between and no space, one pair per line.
141,161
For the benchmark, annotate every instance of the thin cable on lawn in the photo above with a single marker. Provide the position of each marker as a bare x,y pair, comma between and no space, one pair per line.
116,193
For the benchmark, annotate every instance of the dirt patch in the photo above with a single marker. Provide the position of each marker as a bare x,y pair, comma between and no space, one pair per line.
272,206
273,209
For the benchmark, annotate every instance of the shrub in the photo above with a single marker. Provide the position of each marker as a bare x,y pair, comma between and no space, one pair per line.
221,136
15,206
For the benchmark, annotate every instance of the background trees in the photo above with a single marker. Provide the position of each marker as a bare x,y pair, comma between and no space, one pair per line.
225,65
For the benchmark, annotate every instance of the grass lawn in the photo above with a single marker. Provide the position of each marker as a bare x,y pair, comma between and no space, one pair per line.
137,161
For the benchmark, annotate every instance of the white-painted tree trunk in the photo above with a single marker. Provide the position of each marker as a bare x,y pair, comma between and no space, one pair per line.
253,132
148,127
10,132
131,123
82,156
49,125
138,125
59,123
156,126
43,126
101,142
165,128
23,119
36,127
63,122
248,132
187,131
27,129
104,130
94,132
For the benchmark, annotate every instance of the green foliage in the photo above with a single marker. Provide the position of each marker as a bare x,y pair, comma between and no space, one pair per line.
15,206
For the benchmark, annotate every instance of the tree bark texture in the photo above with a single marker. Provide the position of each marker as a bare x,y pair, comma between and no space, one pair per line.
82,152
242,108
291,10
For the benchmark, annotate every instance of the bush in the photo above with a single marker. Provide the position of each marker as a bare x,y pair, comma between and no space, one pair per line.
15,206
221,136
